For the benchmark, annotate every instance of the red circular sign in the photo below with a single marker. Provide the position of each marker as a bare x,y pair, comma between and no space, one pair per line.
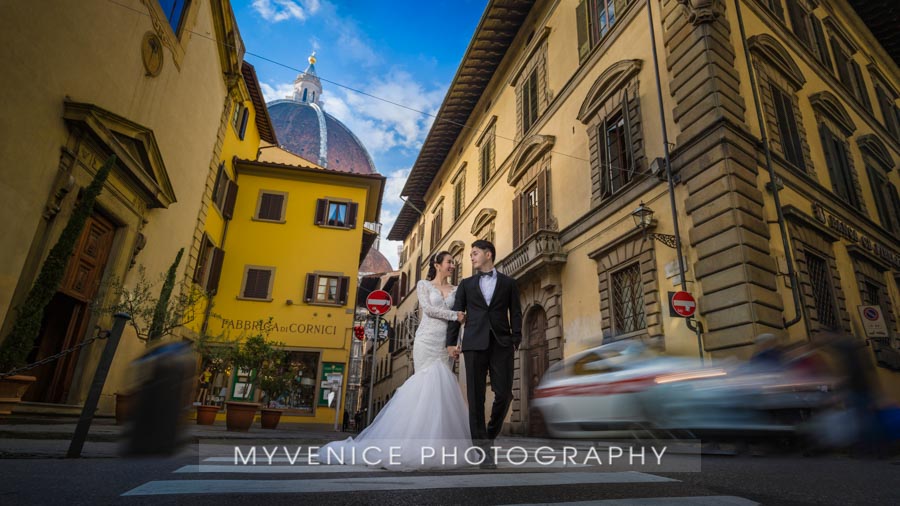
684,304
378,302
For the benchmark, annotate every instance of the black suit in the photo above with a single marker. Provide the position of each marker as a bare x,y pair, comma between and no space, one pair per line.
493,333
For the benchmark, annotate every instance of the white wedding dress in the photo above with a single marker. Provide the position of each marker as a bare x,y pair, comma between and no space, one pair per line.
425,425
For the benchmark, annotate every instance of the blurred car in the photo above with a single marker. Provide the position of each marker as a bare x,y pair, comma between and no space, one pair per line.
600,391
623,389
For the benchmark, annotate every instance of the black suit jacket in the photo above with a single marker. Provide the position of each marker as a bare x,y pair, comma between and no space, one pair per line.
503,317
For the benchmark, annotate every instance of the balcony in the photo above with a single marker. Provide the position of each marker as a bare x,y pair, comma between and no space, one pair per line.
537,252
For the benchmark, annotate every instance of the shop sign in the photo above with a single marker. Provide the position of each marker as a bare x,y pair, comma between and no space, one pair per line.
852,235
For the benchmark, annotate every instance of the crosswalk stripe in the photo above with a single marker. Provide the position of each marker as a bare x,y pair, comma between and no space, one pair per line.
263,468
701,500
455,481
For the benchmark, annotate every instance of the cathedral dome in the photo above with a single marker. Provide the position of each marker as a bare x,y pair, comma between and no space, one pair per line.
305,129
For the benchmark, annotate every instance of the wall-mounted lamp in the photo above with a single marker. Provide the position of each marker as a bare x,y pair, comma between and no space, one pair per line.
643,220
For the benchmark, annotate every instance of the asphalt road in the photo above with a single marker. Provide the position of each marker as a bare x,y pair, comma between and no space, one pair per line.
730,480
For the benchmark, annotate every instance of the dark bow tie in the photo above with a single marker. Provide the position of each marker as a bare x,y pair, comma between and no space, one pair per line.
485,274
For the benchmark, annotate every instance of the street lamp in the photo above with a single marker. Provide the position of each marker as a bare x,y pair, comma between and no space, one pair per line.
643,220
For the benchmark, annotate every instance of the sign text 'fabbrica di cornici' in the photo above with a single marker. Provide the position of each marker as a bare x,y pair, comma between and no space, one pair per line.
272,325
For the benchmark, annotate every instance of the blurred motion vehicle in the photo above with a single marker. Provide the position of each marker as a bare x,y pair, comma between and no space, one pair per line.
624,388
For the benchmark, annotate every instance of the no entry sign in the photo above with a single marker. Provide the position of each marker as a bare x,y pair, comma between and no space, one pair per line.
683,304
378,302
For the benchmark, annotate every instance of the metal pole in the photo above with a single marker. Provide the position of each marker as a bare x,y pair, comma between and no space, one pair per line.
338,419
90,404
665,138
372,380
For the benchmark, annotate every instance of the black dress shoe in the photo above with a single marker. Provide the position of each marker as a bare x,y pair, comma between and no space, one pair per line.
490,457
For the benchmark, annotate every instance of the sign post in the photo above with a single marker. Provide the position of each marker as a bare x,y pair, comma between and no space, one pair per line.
378,303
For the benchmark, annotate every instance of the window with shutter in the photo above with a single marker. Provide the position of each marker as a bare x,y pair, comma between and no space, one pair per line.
859,86
336,213
485,162
787,127
889,112
530,100
885,200
203,258
218,195
215,270
258,283
583,26
799,19
821,43
245,117
836,158
309,292
271,206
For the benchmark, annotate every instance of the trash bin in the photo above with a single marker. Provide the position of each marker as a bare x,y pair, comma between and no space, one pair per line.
166,376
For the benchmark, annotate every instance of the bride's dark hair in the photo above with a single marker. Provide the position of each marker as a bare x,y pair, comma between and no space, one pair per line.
437,259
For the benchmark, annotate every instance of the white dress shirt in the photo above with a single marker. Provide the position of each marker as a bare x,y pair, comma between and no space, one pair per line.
487,285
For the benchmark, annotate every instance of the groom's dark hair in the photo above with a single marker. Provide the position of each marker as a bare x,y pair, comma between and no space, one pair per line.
486,246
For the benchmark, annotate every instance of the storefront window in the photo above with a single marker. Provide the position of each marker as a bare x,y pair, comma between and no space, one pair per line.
304,367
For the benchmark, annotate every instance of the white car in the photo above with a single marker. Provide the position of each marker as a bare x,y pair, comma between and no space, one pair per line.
603,390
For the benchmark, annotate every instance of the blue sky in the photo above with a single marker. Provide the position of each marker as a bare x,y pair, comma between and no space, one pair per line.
404,51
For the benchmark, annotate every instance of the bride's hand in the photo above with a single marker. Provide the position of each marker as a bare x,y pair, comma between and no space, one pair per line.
461,317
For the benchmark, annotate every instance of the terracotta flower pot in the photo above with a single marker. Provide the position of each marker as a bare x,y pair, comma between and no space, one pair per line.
206,415
239,415
11,391
269,417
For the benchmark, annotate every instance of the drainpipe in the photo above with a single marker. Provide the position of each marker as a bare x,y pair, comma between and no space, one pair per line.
773,179
696,326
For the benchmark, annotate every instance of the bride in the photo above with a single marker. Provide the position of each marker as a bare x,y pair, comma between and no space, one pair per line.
425,425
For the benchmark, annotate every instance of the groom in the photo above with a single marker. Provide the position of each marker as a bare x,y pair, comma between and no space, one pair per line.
493,333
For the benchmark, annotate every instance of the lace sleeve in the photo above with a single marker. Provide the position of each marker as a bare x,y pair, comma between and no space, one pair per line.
440,313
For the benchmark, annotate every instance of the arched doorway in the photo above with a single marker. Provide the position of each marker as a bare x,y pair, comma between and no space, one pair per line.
536,361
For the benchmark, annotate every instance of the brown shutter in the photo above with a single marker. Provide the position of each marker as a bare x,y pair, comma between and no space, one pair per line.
201,259
821,44
321,211
231,190
583,24
343,289
309,293
257,284
215,270
862,92
516,220
629,146
352,211
543,202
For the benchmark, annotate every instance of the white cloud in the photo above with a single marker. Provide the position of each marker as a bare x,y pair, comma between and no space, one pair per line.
390,208
277,92
383,125
276,11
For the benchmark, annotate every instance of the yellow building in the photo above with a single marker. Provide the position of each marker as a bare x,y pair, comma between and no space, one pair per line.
85,80
551,136
284,253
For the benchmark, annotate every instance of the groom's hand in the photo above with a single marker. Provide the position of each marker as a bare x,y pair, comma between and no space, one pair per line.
461,317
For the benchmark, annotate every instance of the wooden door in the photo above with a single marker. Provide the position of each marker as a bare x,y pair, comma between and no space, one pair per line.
536,364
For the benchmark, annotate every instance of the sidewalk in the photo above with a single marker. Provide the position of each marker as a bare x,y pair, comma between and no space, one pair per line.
49,437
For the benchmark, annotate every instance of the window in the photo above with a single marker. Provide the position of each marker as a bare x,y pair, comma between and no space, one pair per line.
887,202
787,127
436,227
628,300
614,159
530,100
530,211
257,284
775,7
224,193
486,159
303,367
458,196
800,22
239,118
209,265
594,19
531,208
458,266
889,111
823,295
838,162
336,213
849,74
175,11
326,289
271,206
821,46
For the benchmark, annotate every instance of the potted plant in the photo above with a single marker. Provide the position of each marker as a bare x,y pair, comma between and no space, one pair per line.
14,350
250,355
274,380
